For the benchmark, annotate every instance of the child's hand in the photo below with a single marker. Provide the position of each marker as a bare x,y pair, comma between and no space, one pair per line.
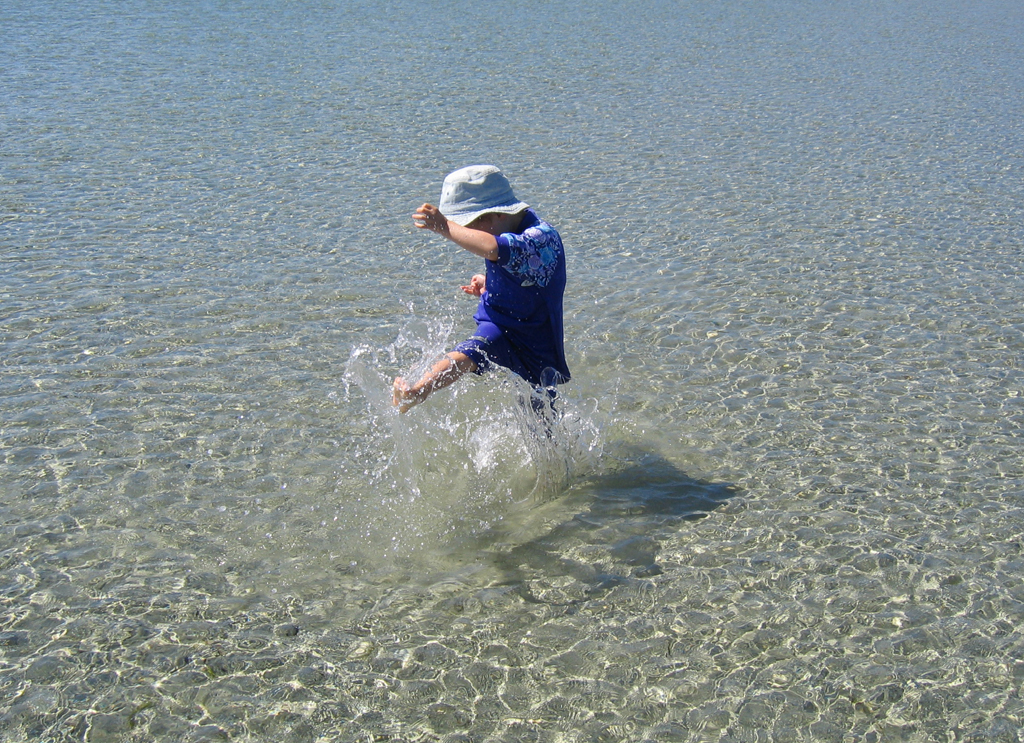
427,217
477,285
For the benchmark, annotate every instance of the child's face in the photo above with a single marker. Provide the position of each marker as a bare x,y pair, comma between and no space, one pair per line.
495,223
485,223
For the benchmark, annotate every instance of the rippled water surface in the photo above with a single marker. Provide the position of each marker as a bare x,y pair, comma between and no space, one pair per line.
783,496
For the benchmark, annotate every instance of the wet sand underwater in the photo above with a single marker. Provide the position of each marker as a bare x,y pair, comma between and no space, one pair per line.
781,501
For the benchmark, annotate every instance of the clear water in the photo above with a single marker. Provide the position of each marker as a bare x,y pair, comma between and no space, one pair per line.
783,499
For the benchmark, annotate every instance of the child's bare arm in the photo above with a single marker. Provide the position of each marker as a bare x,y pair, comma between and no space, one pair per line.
478,242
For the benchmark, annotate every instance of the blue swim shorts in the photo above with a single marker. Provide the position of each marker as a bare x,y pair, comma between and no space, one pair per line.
488,345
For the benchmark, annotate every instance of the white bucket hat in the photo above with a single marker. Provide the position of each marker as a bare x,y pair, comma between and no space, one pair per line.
474,190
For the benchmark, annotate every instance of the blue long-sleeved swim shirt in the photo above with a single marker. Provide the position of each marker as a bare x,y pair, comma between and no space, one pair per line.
524,294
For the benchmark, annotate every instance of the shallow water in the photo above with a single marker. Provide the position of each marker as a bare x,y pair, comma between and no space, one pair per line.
781,499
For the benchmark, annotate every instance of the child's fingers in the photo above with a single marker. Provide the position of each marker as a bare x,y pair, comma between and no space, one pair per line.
426,221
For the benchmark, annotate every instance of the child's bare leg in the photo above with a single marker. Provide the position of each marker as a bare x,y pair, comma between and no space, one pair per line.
442,374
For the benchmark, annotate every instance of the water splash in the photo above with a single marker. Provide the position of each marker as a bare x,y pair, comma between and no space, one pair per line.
473,458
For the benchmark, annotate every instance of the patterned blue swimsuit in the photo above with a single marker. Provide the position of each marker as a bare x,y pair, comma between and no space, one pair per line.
519,318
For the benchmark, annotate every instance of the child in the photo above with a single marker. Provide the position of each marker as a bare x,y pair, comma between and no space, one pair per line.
519,317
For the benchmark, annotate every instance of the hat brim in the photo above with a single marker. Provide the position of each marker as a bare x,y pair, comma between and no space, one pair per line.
464,218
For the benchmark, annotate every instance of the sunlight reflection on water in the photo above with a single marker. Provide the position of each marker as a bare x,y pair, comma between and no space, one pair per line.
787,483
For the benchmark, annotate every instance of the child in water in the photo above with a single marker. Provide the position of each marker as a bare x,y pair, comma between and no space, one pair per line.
519,317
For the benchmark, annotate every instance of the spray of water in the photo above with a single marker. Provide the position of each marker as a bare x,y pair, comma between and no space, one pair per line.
469,464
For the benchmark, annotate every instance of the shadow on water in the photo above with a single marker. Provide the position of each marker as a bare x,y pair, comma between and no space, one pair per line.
616,536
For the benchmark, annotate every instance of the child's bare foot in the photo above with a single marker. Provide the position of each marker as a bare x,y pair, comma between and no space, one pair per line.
403,397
